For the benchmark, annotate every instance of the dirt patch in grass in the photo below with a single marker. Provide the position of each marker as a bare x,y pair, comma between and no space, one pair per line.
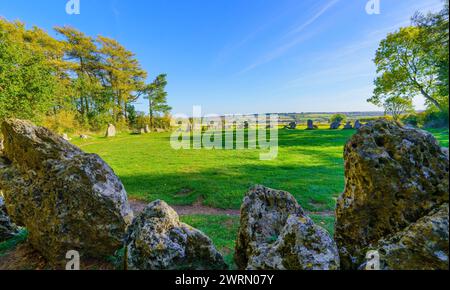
199,209
183,210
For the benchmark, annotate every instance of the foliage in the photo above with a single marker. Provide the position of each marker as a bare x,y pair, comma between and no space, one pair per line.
414,61
396,106
43,78
436,42
338,118
27,81
436,119
61,122
157,98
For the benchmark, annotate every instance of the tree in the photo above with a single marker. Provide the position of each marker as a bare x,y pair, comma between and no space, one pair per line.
405,69
123,75
27,81
157,97
338,118
435,27
83,60
397,106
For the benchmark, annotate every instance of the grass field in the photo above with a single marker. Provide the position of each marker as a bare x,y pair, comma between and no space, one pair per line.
309,165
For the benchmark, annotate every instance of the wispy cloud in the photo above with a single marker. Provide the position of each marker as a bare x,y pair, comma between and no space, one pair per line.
316,16
294,38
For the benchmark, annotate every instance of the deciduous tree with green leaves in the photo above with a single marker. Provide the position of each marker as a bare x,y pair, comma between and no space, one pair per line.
405,69
397,106
27,81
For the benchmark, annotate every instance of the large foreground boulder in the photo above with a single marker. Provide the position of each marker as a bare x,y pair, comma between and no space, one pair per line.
394,176
157,240
67,199
8,230
421,246
276,234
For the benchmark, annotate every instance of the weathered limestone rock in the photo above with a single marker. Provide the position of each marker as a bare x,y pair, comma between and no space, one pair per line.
276,234
67,199
157,240
421,246
358,125
111,131
394,176
8,230
335,125
348,126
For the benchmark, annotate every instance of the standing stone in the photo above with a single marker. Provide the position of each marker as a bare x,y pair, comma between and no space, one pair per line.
147,129
65,137
157,240
111,131
291,126
84,137
348,126
7,229
335,125
310,125
358,125
67,199
394,177
276,234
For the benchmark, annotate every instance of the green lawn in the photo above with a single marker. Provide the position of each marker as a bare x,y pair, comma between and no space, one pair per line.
441,135
309,165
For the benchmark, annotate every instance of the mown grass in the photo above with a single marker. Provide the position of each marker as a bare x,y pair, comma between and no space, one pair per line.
14,242
309,165
441,135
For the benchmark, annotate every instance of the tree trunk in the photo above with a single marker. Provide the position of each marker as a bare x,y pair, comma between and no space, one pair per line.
431,99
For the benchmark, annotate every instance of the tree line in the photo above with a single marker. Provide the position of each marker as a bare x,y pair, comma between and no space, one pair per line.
73,79
414,61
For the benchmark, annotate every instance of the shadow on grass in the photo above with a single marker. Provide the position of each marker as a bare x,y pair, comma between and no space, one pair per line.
315,187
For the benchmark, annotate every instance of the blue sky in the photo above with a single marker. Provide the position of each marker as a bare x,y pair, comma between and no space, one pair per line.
243,56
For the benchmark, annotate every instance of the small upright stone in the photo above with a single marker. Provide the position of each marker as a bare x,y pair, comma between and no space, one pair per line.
348,126
310,125
291,126
157,240
65,137
147,129
111,131
335,125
